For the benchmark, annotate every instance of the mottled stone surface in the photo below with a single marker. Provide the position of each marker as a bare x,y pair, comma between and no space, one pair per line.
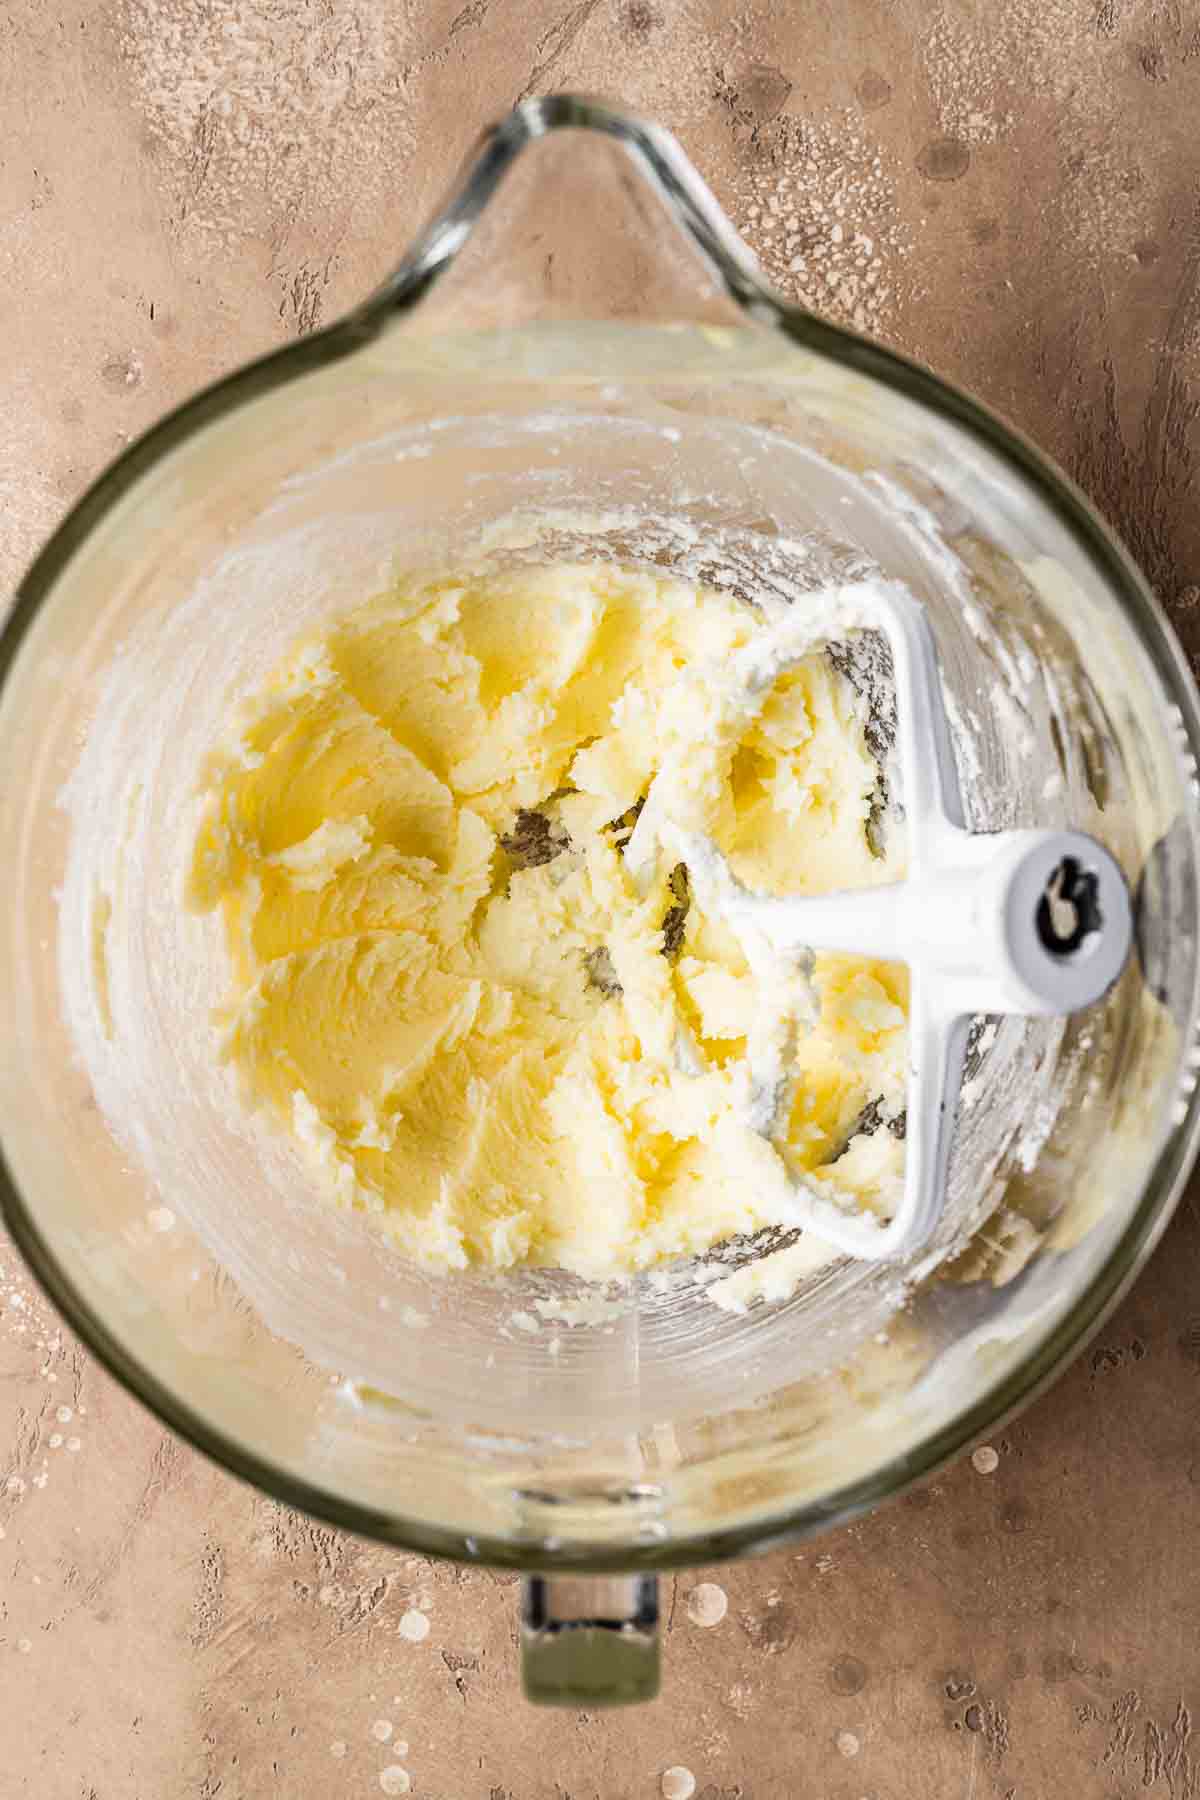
1010,192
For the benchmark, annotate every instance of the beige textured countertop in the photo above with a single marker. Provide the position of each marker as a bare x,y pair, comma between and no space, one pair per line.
184,182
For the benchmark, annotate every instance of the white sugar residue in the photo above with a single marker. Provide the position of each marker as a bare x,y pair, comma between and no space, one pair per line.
29,503
707,1604
818,205
667,68
395,1780
848,1744
382,1730
982,79
37,1340
266,110
986,70
414,1626
338,1749
26,1315
966,73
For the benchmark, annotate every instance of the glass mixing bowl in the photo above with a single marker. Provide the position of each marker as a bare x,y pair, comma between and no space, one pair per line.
579,358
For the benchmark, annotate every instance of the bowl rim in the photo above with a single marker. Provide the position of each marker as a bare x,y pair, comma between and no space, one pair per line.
685,195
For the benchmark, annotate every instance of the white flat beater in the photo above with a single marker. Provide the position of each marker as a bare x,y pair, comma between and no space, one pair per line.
1021,921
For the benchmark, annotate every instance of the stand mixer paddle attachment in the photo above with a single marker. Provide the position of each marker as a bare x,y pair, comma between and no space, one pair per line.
1010,922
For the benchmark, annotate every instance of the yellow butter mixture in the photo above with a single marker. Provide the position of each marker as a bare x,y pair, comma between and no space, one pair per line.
449,983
